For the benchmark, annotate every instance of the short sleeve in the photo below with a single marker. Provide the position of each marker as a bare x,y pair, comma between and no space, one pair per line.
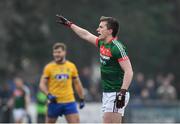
46,72
119,51
97,42
74,71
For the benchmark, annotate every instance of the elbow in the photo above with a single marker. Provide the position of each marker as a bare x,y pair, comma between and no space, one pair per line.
132,73
85,35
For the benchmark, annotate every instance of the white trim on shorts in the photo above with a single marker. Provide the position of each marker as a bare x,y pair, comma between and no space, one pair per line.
108,104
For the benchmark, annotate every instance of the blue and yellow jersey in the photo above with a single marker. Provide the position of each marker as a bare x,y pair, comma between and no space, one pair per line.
60,78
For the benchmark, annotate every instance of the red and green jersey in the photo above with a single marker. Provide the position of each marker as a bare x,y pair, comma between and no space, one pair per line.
19,97
111,54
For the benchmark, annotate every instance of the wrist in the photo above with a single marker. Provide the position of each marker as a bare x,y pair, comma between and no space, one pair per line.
70,24
48,95
123,91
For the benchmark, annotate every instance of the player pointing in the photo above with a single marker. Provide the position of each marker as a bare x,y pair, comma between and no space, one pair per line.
116,69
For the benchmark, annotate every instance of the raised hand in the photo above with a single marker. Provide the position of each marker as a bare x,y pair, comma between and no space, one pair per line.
62,20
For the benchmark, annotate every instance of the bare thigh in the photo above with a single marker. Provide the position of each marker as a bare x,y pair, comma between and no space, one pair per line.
111,117
72,118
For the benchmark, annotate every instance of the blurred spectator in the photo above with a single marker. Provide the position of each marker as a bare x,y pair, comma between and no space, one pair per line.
95,77
94,91
137,85
95,86
5,104
159,79
85,77
41,107
145,94
170,77
150,85
167,91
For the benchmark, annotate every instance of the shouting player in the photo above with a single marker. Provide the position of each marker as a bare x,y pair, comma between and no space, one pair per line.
116,69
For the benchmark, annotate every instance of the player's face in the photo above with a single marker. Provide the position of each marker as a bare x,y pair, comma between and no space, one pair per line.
18,82
59,55
103,31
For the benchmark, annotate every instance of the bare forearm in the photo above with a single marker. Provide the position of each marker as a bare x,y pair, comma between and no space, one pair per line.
79,89
28,100
43,86
79,31
43,89
80,92
84,34
127,79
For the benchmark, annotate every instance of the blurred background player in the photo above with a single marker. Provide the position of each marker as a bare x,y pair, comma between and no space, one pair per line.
21,99
41,107
116,69
57,82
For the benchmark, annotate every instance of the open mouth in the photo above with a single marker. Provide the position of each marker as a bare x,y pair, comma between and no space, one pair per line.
99,33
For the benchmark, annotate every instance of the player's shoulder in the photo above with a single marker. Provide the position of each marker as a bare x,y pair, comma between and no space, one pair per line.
70,63
50,64
26,89
117,44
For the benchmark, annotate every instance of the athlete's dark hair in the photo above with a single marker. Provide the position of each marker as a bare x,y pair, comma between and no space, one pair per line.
112,23
59,45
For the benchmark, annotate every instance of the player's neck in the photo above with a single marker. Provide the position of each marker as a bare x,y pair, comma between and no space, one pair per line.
109,39
61,62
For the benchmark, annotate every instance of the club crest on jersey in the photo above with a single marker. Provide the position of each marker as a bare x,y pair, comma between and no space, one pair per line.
105,51
105,54
61,76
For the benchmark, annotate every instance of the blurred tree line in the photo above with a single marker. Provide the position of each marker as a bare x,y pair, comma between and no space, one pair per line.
150,29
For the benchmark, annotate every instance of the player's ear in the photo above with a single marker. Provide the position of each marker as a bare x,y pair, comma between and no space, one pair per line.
110,31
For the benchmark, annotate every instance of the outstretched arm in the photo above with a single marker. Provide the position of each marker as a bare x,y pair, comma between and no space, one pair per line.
81,32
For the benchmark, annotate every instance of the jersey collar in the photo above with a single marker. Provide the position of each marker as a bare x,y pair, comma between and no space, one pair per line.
113,38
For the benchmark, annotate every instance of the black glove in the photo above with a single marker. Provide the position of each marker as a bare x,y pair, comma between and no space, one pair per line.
63,21
51,98
81,103
120,99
